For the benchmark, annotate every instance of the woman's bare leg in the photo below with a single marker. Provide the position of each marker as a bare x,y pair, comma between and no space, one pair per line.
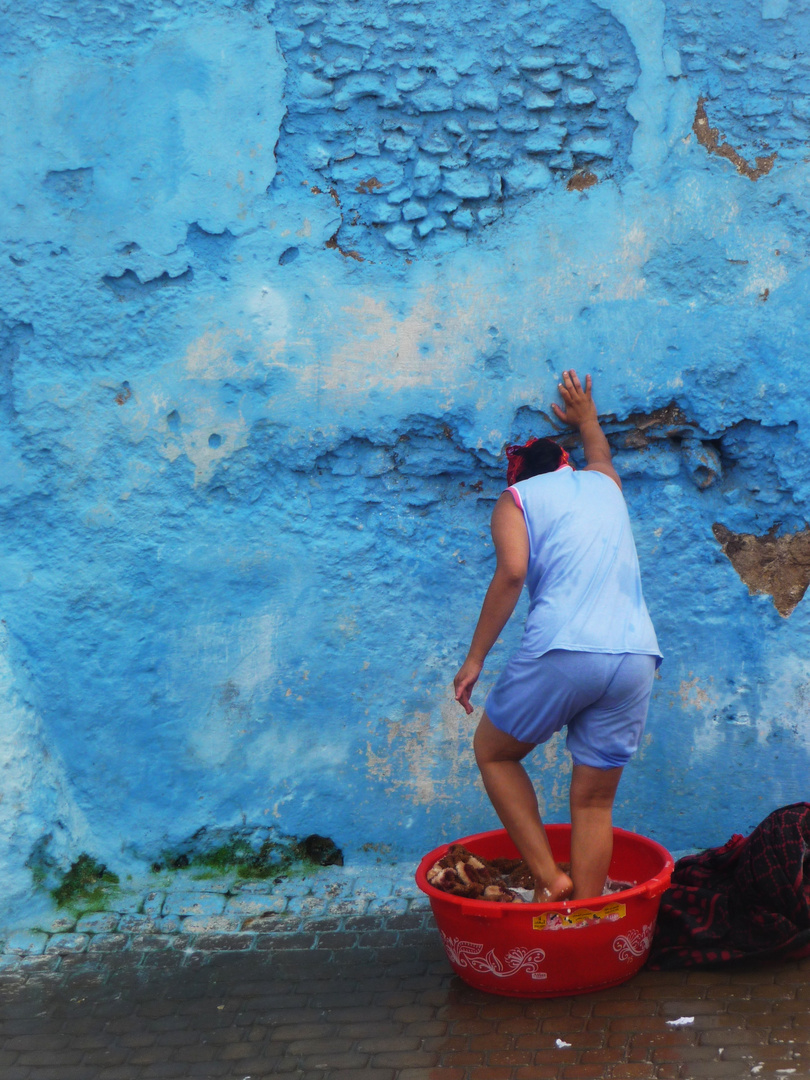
592,794
512,794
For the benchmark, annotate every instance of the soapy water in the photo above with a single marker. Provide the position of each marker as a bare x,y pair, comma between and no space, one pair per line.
611,886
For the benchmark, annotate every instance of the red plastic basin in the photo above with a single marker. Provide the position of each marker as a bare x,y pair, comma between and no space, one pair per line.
553,950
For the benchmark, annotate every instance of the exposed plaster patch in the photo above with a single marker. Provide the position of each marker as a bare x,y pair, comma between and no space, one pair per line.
208,357
378,765
710,137
777,565
387,351
457,733
417,744
581,181
692,695
212,440
410,738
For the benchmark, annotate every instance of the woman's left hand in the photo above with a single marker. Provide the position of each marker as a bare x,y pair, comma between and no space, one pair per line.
464,682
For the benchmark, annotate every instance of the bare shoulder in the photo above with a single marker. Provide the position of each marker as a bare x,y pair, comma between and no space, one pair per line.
510,536
506,508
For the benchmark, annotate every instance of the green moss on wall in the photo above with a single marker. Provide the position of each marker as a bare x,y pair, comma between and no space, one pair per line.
248,854
86,884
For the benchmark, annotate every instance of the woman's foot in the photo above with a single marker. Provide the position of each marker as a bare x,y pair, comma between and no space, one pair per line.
557,888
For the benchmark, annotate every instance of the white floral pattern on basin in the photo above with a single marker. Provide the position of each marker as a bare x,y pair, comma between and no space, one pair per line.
467,954
635,943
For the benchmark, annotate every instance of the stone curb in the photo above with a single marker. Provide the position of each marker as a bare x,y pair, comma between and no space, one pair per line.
330,909
335,934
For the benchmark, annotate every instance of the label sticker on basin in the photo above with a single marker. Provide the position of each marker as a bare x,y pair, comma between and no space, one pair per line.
559,920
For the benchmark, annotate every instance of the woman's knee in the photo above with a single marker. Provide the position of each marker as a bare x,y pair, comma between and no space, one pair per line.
485,742
594,788
490,744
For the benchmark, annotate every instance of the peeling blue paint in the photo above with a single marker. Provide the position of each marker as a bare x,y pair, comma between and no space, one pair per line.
281,282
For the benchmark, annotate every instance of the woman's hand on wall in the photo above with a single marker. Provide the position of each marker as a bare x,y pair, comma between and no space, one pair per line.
579,404
580,411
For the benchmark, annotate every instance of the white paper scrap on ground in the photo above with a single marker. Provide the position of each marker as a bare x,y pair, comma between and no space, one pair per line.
681,1021
562,1045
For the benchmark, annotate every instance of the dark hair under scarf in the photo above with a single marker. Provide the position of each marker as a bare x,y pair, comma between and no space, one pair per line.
533,458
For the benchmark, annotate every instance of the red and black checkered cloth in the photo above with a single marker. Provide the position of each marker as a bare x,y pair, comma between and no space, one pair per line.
746,900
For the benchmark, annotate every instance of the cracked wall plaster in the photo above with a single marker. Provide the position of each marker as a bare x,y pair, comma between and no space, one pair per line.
714,143
251,441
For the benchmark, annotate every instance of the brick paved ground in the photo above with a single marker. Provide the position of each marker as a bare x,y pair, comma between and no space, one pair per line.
373,997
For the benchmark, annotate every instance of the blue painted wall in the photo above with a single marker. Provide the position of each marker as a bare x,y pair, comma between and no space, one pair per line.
280,282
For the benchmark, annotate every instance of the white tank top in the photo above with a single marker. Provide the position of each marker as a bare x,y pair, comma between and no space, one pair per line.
583,576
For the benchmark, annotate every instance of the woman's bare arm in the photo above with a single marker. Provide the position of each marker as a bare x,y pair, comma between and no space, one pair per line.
512,553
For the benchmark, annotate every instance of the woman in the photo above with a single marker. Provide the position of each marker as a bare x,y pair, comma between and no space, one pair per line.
588,654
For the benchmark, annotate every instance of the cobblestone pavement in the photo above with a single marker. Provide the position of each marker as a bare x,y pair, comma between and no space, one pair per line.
373,997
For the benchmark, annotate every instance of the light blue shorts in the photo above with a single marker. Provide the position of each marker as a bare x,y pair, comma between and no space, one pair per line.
602,697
